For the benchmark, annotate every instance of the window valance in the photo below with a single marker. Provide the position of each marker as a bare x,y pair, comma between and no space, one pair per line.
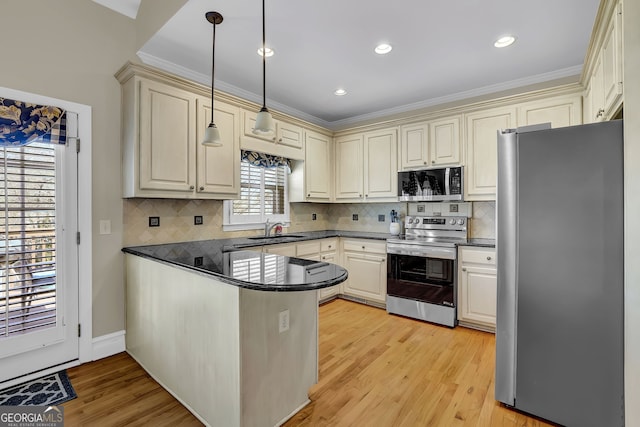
22,123
265,160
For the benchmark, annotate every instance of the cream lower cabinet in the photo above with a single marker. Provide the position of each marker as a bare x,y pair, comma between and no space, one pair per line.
366,262
162,157
329,253
286,249
477,288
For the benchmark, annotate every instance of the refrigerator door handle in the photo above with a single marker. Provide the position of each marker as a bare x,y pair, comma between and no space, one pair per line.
506,256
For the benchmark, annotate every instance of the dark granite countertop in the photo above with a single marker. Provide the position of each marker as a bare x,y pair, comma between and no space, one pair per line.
246,269
484,243
227,261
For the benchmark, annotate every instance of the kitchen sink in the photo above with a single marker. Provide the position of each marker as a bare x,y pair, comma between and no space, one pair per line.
276,237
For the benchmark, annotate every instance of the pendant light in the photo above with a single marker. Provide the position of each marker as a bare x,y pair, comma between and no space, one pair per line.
212,134
264,121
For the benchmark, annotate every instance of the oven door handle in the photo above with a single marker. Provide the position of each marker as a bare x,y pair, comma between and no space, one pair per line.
423,251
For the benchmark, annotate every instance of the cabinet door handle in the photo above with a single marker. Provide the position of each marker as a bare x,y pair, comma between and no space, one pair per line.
280,140
309,195
366,195
433,161
425,163
600,112
359,195
488,258
191,187
274,139
330,246
464,269
201,188
363,247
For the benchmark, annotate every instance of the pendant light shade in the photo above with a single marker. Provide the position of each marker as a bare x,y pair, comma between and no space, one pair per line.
212,134
264,122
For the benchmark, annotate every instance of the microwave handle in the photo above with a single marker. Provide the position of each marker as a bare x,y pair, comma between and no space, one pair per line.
447,179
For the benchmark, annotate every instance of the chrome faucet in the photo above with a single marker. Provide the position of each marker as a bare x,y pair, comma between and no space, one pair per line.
269,226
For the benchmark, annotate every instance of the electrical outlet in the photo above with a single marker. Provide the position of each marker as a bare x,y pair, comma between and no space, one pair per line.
154,221
197,220
283,321
354,217
314,217
380,218
453,207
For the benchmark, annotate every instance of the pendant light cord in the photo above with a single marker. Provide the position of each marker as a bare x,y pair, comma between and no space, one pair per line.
213,67
264,63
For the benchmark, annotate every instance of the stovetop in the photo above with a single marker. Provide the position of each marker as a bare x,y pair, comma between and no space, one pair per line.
433,231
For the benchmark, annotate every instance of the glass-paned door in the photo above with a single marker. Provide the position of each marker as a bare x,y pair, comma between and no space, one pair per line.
38,258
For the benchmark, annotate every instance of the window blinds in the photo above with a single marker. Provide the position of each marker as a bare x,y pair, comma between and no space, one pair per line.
262,190
27,243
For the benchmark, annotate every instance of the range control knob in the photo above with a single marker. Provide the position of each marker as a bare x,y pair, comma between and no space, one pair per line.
410,220
452,221
461,221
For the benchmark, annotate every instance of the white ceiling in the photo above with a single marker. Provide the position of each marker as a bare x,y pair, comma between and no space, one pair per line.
442,51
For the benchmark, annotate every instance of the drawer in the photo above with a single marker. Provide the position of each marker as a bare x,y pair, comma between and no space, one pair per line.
363,245
308,248
484,256
327,245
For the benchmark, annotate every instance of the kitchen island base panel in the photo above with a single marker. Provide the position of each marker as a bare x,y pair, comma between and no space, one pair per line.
217,347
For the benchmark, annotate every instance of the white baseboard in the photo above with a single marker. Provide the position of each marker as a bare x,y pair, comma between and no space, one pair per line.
108,345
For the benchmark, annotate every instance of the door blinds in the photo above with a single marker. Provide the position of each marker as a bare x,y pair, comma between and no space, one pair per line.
27,243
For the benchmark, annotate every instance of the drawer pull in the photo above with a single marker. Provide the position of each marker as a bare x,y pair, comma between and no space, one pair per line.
363,247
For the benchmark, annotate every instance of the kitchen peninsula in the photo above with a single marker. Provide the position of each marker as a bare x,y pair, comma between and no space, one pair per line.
232,334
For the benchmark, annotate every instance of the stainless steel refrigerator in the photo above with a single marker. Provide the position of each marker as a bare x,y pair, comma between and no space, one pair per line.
559,238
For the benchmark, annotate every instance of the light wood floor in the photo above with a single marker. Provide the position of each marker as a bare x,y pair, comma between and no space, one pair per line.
375,370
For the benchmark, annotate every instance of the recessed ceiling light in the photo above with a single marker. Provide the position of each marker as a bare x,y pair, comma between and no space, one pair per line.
383,48
268,50
340,92
504,41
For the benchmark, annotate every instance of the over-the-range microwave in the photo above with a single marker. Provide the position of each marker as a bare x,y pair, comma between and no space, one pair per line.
436,184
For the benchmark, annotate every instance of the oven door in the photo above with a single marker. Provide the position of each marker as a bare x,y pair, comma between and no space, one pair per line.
421,278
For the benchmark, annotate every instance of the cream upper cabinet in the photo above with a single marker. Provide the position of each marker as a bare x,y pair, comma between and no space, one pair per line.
477,288
162,157
366,262
433,143
612,63
414,146
444,135
349,180
381,165
167,142
559,111
481,149
288,139
218,167
317,167
603,95
597,92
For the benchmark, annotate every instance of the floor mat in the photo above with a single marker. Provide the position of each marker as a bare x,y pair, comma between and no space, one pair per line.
51,389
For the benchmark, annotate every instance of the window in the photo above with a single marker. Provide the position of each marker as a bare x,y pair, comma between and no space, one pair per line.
263,196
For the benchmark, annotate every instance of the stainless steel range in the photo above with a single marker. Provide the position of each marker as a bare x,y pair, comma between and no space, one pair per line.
422,268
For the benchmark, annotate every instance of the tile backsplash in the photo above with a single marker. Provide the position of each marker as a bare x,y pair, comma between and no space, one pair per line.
483,222
177,219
